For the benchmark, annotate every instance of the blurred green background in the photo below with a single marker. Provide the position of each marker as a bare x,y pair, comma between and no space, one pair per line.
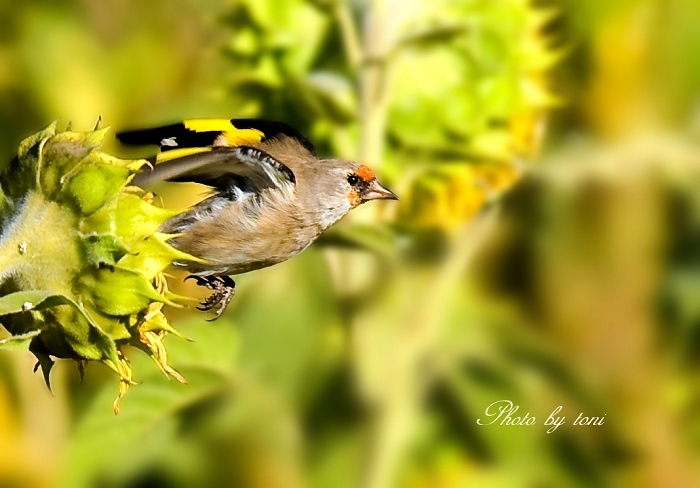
546,248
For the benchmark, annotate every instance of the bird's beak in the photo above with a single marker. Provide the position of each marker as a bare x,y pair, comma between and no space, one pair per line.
375,191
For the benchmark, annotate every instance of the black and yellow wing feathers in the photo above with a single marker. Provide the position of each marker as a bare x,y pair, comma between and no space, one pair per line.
222,168
201,135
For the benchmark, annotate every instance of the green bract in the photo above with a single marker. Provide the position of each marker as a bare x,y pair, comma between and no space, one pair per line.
81,259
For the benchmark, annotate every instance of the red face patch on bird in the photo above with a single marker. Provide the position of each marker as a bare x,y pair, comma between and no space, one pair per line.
365,173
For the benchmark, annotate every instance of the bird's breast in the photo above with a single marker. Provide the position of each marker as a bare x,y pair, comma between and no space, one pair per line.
242,236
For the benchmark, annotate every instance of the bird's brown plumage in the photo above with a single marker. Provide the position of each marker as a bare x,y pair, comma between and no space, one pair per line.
262,229
270,200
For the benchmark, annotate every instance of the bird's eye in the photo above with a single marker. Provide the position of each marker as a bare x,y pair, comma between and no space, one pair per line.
353,179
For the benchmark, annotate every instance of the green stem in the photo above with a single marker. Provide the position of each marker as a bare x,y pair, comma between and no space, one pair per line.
373,86
348,30
397,408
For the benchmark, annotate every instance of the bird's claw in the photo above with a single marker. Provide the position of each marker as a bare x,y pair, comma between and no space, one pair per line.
223,289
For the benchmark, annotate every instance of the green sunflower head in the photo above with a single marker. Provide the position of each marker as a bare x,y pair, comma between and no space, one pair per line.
81,258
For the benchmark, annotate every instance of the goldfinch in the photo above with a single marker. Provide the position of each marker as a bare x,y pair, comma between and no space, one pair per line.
270,195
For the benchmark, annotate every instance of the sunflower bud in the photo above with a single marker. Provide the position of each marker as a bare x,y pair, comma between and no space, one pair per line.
81,258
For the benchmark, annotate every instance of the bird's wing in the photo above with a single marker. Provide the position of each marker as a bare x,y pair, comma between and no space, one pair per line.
222,168
199,135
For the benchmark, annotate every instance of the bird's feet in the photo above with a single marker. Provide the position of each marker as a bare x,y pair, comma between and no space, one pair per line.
223,288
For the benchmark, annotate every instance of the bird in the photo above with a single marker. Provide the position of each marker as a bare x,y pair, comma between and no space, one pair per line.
269,195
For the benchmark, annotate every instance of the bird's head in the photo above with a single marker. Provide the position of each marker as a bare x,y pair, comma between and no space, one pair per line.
362,186
344,185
